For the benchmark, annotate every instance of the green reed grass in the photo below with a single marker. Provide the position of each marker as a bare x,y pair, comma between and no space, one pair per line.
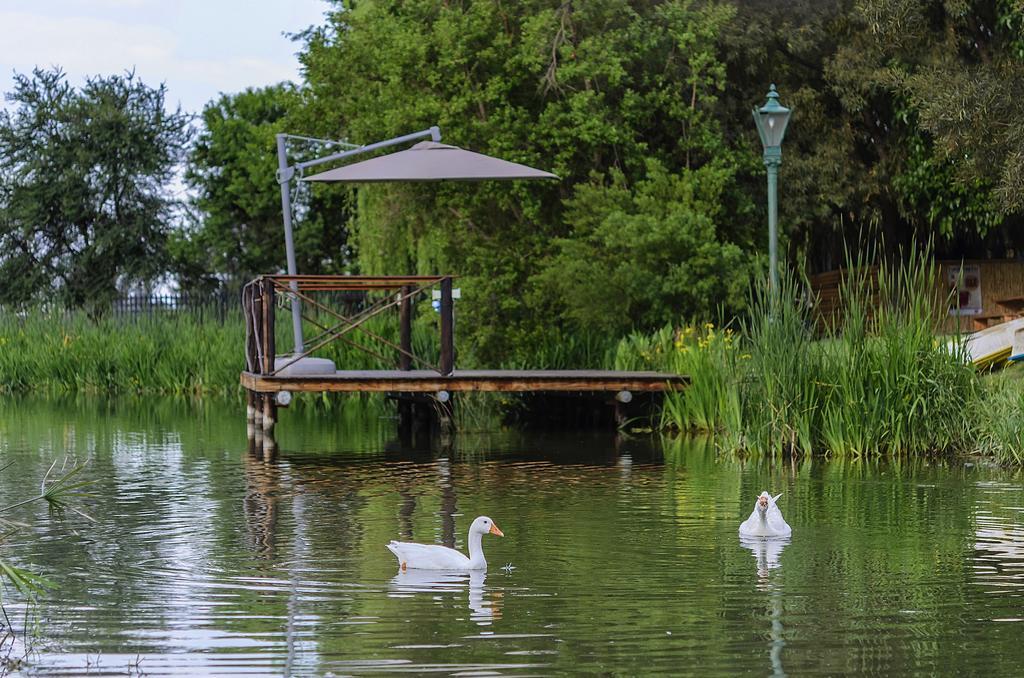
561,350
998,416
897,387
167,353
881,381
69,353
708,356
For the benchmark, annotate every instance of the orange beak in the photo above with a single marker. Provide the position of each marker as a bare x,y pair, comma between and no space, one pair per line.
495,530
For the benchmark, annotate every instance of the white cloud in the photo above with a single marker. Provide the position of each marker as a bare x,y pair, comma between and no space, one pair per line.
113,4
235,73
82,45
233,49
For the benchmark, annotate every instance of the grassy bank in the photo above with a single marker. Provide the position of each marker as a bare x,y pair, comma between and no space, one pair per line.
162,354
186,354
881,381
166,355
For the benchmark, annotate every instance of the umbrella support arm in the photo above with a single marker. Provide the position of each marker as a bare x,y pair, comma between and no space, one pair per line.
286,173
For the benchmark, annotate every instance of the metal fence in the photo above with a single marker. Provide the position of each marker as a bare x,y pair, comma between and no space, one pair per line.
221,306
217,306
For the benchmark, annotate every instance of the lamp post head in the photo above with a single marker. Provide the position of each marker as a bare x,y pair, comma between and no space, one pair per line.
771,120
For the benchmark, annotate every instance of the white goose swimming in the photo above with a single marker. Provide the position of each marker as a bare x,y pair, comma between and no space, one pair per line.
766,519
433,557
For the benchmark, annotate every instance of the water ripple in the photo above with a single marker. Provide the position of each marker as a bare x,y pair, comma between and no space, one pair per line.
206,561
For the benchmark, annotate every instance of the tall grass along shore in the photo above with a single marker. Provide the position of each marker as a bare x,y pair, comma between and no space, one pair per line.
178,353
879,380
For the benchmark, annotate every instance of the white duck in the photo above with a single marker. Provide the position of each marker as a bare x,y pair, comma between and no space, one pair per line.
766,519
433,557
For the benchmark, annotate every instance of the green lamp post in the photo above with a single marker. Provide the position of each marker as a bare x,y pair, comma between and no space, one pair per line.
771,120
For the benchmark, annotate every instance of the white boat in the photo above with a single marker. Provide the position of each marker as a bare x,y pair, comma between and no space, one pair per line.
993,346
1017,352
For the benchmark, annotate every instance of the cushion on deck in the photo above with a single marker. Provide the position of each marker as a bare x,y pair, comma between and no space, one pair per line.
303,366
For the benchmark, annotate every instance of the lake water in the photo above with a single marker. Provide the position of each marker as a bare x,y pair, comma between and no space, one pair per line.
620,557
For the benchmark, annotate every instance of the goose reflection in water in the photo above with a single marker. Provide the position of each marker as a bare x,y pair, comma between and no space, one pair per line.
767,551
483,604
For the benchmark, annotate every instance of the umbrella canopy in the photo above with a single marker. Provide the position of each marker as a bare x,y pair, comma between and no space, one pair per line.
432,161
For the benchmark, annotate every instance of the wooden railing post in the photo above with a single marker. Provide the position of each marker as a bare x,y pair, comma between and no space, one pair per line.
269,349
251,361
256,305
405,329
447,328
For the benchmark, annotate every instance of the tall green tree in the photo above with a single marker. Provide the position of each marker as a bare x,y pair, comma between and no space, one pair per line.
659,242
614,96
959,68
949,78
905,120
85,199
232,169
906,128
642,254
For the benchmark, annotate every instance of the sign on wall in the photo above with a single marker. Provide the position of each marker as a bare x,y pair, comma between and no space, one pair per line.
965,283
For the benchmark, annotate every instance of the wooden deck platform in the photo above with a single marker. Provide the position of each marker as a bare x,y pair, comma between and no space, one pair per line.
429,381
315,297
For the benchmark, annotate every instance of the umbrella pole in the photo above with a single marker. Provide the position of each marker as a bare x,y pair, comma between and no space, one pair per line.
284,178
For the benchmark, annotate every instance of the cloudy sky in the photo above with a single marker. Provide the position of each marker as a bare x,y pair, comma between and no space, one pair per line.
199,48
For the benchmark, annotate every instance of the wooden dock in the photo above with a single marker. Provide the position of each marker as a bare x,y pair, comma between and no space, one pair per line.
269,379
430,381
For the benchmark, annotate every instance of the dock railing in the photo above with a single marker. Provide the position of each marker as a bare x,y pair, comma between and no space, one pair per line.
373,296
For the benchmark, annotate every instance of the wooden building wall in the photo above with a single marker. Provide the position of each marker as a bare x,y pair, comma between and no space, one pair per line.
998,279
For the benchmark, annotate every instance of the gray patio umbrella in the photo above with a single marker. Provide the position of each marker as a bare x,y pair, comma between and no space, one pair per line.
432,161
426,161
